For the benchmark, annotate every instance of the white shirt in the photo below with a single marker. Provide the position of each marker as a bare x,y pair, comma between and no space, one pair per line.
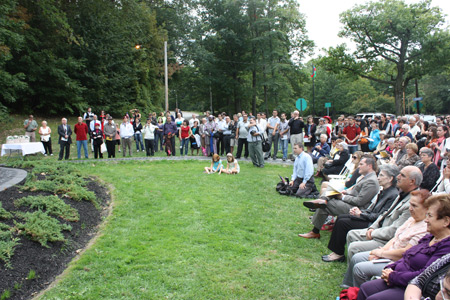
126,130
92,124
192,121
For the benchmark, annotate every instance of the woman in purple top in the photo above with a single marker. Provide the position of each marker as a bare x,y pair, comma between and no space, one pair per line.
395,277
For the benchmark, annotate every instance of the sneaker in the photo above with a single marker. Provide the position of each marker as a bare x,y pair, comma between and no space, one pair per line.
274,158
51,154
45,154
284,158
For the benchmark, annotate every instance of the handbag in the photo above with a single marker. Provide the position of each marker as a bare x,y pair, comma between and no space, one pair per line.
363,140
265,145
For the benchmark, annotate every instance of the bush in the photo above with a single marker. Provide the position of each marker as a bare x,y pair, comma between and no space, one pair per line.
7,244
42,228
53,205
4,214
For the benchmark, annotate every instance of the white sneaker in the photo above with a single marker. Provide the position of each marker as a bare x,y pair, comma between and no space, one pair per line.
51,154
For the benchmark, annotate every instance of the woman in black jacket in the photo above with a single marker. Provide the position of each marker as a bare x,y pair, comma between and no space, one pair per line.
357,219
337,164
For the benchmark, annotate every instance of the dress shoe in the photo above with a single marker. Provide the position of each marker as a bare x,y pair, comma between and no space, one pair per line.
334,258
310,235
315,204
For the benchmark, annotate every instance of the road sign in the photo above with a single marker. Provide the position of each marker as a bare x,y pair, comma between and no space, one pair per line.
327,104
418,99
301,104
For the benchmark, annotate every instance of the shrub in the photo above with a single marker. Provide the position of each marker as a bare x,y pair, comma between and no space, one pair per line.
42,228
7,244
53,205
4,214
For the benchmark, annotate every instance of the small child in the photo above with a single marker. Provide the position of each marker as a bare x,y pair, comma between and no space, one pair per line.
232,165
216,165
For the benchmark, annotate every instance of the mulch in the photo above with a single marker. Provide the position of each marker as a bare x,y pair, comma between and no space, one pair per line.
49,262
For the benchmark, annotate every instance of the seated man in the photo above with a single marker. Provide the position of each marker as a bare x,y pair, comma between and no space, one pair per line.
384,227
321,149
360,196
302,183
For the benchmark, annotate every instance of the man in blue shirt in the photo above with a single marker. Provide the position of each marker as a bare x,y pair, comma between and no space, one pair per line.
302,183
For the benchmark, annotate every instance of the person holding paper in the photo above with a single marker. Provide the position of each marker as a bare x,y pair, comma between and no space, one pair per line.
360,196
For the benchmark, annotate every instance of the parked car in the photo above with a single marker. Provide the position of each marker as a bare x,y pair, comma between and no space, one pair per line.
372,115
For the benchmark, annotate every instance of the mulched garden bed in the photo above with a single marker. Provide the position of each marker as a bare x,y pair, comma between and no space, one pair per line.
48,262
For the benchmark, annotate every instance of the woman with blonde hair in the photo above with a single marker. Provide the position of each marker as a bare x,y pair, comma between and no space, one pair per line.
216,165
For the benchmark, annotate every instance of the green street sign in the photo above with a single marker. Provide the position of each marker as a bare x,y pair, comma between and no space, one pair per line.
301,104
327,104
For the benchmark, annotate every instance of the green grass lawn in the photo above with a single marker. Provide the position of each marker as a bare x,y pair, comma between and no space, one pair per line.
177,233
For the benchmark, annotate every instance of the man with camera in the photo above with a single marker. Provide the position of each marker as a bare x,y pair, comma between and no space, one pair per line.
254,140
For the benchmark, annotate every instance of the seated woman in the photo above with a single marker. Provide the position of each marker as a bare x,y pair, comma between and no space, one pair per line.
323,159
430,283
371,263
335,165
232,165
358,219
431,172
415,260
216,165
411,156
444,185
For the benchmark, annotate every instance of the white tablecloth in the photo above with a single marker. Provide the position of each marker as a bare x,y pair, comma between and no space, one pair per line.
26,148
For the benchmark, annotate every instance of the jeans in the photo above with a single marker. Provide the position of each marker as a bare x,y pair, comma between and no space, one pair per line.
284,147
352,148
85,148
184,144
138,139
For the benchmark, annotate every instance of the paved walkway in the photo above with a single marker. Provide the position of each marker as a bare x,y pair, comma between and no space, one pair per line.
10,177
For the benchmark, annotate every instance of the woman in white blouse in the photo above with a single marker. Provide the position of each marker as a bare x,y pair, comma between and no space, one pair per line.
45,132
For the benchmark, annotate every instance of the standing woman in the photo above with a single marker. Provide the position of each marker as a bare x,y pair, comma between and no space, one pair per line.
179,121
159,134
97,138
439,146
310,134
45,132
203,135
364,132
195,145
374,136
137,126
184,132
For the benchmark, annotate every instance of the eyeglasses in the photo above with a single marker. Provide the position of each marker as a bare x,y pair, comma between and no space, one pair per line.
354,157
444,290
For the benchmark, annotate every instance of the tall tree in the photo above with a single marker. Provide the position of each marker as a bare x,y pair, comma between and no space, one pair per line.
396,42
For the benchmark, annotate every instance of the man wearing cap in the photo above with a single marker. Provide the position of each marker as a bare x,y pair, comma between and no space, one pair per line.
110,137
30,126
359,196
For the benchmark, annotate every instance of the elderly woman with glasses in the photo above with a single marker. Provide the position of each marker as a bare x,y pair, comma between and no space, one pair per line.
415,260
430,171
360,219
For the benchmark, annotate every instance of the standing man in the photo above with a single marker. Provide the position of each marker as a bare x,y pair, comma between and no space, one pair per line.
30,125
302,181
351,134
273,134
241,136
220,126
110,137
296,126
170,129
284,135
233,126
65,139
88,116
126,132
227,134
81,130
360,196
254,141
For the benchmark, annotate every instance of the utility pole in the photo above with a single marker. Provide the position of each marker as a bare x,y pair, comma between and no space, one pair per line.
166,77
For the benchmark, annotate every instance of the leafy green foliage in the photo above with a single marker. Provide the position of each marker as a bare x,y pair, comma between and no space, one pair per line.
53,205
4,214
31,275
7,244
42,228
5,295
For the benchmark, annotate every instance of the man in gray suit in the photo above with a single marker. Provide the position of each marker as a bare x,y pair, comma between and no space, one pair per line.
383,229
360,196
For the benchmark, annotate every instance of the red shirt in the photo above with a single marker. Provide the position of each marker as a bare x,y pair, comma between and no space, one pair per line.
351,132
184,132
81,131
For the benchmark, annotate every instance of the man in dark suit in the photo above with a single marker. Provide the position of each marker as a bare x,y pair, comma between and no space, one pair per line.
65,139
360,196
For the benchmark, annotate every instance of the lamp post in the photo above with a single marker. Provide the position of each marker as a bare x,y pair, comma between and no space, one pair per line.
166,75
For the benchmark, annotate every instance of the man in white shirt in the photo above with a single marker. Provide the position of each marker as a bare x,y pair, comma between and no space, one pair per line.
220,126
273,134
414,128
126,132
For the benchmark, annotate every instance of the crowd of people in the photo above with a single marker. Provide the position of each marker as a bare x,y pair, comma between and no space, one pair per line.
384,191
384,194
